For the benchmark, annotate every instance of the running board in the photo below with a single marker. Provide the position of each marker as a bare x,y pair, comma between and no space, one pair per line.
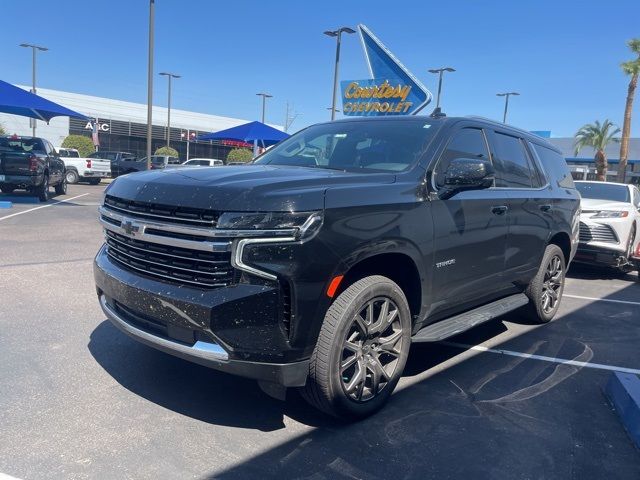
451,326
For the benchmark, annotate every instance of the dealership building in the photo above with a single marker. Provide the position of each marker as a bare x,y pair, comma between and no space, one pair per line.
123,125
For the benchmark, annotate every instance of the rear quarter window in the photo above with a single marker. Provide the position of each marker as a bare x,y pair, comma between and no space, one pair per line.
555,166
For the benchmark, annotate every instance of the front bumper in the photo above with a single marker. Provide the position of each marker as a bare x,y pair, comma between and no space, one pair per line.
593,254
95,174
235,329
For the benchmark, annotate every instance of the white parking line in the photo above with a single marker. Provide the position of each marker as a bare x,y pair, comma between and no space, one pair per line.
597,366
624,302
43,206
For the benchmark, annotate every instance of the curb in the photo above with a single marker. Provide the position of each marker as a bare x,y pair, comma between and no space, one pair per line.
623,391
6,204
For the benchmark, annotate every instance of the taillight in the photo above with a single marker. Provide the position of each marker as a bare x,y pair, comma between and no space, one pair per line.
88,163
33,163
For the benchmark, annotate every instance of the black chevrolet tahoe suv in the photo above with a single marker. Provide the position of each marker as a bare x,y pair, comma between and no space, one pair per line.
318,265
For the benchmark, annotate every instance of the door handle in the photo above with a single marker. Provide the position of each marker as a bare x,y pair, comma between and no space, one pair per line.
499,209
545,208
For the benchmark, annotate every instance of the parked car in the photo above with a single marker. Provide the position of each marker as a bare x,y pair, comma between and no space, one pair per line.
203,162
158,162
32,164
609,224
80,169
121,162
319,264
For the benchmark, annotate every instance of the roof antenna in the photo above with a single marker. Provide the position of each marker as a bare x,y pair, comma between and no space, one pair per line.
437,113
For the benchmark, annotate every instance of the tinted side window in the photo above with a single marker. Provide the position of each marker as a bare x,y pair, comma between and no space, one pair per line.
467,143
555,166
511,161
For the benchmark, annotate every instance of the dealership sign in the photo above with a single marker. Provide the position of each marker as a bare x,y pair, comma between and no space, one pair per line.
103,127
391,90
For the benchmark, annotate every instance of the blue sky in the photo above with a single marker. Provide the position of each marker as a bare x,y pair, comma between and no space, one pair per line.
562,56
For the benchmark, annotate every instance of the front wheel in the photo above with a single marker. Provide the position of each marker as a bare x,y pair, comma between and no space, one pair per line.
361,350
545,290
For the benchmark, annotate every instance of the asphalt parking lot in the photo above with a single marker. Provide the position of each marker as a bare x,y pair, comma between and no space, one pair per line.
78,399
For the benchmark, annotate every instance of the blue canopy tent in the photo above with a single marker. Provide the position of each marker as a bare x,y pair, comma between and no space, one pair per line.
17,101
252,132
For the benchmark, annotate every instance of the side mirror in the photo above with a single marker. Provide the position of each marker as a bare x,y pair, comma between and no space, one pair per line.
467,174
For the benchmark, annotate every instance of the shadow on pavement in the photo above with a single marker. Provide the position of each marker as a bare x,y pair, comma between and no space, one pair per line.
583,271
478,416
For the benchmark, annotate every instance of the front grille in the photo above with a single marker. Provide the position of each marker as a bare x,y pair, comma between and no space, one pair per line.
151,211
597,233
169,263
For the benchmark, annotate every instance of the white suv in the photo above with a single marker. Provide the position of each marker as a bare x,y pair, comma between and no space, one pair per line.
609,224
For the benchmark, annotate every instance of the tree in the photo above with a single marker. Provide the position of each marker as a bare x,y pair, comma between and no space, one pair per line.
597,136
632,68
2,130
168,151
240,155
83,144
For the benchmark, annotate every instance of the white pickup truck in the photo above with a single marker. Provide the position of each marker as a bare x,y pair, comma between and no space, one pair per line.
79,169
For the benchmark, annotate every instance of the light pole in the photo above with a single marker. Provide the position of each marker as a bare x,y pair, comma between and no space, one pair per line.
34,49
506,96
169,77
440,71
152,5
338,34
264,102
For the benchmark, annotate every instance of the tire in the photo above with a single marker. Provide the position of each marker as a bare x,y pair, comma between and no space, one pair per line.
350,344
94,181
42,191
632,238
545,290
61,188
7,189
72,177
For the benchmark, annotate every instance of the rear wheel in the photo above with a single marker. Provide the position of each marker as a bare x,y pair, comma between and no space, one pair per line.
72,176
545,290
61,188
43,189
7,189
361,350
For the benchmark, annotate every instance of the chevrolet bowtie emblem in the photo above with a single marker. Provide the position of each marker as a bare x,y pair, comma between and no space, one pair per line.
129,227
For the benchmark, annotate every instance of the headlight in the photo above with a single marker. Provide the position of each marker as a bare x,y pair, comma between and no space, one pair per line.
611,214
300,224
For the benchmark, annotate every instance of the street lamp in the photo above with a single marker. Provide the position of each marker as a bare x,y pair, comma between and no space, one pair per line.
440,71
264,101
506,96
169,77
33,48
338,34
152,5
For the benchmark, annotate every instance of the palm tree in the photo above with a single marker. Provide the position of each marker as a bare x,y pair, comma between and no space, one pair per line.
598,137
632,67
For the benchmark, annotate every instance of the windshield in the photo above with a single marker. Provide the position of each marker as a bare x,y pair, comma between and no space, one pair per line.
390,146
603,191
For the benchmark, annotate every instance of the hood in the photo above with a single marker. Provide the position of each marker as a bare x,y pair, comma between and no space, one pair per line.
242,188
591,204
